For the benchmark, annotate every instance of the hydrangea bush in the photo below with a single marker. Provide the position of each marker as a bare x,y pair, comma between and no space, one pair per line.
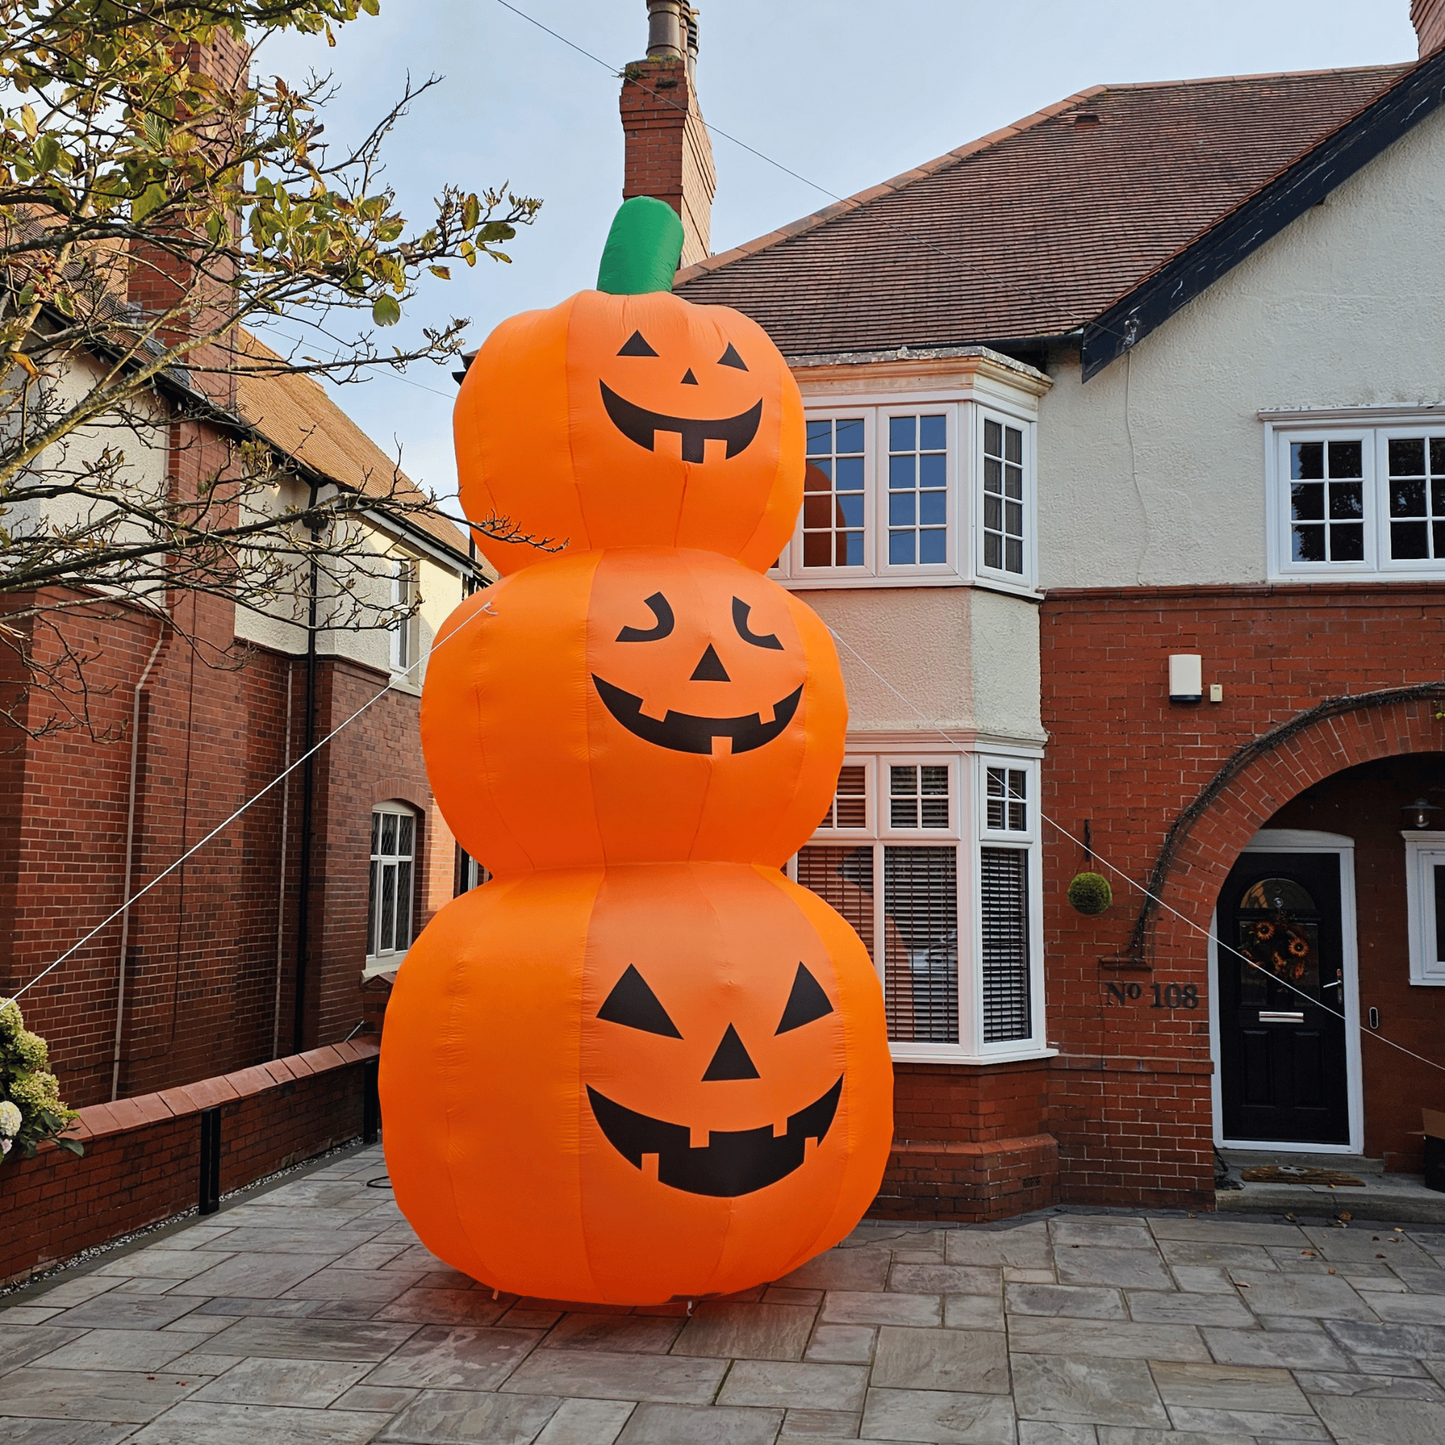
30,1106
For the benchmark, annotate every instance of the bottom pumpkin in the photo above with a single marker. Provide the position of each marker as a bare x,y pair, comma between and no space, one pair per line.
629,1086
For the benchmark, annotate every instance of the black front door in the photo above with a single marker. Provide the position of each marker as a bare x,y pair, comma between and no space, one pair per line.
1283,1073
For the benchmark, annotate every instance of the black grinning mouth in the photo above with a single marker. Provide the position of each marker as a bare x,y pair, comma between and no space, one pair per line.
686,732
731,1163
639,425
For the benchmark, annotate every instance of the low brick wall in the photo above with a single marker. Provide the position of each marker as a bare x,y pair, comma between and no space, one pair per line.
142,1155
968,1183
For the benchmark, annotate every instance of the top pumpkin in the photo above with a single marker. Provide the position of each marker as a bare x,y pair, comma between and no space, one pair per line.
629,417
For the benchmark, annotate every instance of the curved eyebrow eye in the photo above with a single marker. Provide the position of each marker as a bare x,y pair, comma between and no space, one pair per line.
662,611
636,345
806,1002
741,610
634,1005
731,358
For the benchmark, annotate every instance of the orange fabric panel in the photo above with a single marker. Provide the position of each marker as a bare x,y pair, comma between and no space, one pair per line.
689,451
533,769
500,1034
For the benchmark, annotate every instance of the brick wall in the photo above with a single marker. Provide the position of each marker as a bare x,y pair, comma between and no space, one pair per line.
142,1155
1127,762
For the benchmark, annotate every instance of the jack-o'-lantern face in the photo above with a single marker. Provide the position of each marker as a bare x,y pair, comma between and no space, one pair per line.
748,699
629,706
733,1161
621,421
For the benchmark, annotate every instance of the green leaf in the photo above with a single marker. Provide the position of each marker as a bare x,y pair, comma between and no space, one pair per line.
443,271
149,200
471,212
385,311
27,119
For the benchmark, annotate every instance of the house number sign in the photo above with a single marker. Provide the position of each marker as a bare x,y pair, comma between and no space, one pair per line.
1164,995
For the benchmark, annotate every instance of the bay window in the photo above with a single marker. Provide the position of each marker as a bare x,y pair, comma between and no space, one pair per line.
932,859
923,493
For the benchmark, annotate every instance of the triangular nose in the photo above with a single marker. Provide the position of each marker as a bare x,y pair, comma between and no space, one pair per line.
710,668
731,1060
688,378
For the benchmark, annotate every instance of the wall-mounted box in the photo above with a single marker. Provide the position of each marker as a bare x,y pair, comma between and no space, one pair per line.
1186,677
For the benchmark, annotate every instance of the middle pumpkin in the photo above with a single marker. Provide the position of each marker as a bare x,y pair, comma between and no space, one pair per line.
633,705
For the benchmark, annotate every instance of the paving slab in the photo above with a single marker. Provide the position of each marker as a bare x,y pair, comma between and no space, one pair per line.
1082,1301
117,1350
804,1385
973,1312
1322,1296
117,1396
974,1361
842,1344
1355,1421
1290,1350
1230,1387
1086,1390
1170,1307
1108,1339
856,1307
195,1423
1021,1248
452,1357
605,1375
948,1417
1125,1268
308,1339
586,1422
641,1334
313,1384
469,1417
1403,1387
113,1311
19,1344
654,1424
745,1331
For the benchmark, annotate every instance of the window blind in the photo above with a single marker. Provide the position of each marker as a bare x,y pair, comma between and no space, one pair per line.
1004,910
920,943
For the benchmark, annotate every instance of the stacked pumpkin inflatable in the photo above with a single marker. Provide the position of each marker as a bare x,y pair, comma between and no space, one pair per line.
640,1064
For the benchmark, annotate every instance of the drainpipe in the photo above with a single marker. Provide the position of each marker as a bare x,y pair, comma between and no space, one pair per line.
281,874
129,859
308,793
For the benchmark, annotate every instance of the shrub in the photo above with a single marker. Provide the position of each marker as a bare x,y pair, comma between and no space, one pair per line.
30,1107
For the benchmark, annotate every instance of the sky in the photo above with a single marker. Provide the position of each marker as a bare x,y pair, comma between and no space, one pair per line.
826,88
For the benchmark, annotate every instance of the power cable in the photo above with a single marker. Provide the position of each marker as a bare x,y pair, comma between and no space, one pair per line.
1159,902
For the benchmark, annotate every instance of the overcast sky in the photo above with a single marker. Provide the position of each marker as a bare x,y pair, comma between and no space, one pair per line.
844,92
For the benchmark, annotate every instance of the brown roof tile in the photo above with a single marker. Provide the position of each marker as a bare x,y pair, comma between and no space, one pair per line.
295,414
1037,228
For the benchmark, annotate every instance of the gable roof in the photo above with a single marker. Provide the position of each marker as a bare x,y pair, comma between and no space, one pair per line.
296,415
1044,227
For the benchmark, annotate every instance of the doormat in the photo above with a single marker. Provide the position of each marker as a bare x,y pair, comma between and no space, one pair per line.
1285,1174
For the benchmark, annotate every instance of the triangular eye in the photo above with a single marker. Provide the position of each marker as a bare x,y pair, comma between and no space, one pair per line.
806,1002
636,345
634,1005
730,357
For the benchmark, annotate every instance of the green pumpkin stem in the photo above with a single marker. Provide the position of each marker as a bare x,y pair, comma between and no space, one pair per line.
643,248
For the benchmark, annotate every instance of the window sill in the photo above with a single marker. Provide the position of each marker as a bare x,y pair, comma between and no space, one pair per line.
1377,575
848,581
903,1053
387,963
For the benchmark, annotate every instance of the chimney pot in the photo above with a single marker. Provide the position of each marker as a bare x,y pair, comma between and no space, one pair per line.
665,28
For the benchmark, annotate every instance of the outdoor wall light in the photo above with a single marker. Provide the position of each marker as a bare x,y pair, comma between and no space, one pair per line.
1186,677
1420,813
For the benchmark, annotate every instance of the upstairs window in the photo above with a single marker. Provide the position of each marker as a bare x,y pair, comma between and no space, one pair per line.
1351,501
406,630
925,493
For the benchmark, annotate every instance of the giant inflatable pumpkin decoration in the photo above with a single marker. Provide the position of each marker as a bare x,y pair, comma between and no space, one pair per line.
639,1064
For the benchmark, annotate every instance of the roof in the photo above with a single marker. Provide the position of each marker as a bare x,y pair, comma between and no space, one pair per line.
1039,228
294,413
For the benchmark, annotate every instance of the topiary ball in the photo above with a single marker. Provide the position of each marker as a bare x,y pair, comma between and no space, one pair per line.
1090,893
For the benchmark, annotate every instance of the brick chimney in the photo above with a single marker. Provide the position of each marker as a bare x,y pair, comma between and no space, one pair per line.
1429,19
668,154
159,279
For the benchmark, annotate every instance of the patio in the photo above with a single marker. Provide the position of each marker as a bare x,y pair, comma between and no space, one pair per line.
307,1312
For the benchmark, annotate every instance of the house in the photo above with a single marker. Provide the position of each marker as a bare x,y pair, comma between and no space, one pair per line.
256,947
1126,506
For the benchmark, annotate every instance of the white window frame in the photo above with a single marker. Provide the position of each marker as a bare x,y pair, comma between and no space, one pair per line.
968,835
1423,852
404,635
964,412
381,960
1374,428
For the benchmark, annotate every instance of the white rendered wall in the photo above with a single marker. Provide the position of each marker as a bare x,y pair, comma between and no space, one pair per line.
1152,473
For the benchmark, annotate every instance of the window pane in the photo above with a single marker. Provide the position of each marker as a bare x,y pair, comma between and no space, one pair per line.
403,907
932,433
843,878
1346,501
918,496
920,944
900,470
375,833
903,797
1307,501
1306,460
901,548
1407,457
1004,915
388,907
388,834
933,545
1308,544
833,494
1346,459
1003,526
407,825
371,910
933,508
851,803
1347,543
1409,540
1407,499
1437,456
1438,877
900,509
901,431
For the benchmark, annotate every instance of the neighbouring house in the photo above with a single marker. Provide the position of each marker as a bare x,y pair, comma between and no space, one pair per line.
257,946
1126,504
